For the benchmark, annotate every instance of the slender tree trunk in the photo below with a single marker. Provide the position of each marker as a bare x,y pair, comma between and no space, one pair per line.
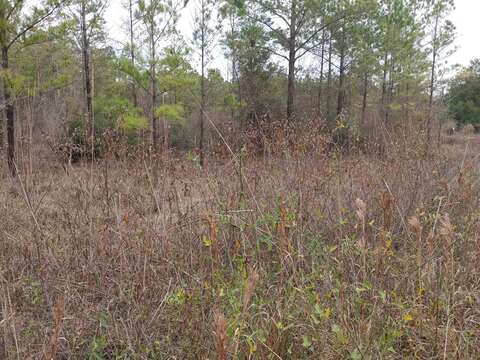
9,115
340,136
432,81
87,77
320,85
341,78
291,63
202,89
202,121
364,100
235,75
384,85
406,102
291,86
329,83
391,85
154,118
132,51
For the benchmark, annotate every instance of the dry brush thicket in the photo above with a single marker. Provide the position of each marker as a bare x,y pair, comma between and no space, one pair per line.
301,254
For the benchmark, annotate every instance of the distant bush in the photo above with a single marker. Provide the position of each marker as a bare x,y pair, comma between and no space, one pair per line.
464,95
115,115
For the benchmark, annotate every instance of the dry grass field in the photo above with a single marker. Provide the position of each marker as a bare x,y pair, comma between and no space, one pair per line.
303,255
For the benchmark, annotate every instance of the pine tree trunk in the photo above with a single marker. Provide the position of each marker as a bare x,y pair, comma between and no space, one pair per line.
320,85
154,100
329,83
364,100
291,86
391,85
9,115
202,91
89,135
341,79
235,74
291,64
132,52
384,86
432,82
340,135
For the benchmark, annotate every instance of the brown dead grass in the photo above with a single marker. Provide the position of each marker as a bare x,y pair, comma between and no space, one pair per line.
290,272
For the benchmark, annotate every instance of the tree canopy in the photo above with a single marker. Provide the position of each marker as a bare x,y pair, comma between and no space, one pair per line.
338,62
464,95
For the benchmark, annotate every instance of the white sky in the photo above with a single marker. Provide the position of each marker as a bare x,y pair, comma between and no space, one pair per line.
465,17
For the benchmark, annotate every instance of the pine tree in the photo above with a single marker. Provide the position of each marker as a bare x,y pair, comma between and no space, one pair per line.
17,22
204,37
157,19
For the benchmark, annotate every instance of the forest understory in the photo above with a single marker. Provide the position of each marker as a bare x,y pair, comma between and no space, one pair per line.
300,254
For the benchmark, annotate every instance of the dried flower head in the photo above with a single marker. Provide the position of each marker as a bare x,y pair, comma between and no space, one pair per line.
361,209
446,229
430,240
415,226
220,335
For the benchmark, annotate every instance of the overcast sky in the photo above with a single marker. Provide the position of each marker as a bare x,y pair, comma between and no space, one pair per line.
465,17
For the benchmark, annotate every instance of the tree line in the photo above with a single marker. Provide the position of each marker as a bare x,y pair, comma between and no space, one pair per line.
341,62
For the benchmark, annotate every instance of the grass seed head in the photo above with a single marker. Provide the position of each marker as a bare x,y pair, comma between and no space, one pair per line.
220,335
